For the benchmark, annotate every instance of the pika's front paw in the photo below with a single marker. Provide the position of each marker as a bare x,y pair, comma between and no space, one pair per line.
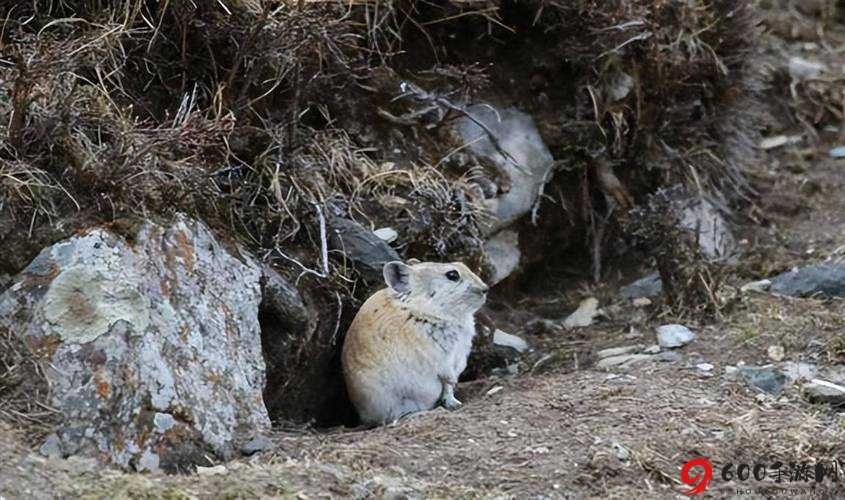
451,403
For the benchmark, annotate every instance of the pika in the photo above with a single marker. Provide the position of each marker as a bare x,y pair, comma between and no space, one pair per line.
409,342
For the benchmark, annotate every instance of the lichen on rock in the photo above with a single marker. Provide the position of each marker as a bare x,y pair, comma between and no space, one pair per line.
155,358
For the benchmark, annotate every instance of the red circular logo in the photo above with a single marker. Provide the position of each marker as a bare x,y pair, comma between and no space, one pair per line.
699,481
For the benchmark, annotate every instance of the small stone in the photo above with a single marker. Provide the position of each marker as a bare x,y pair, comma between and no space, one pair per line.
623,361
705,367
776,352
617,351
778,141
584,315
620,86
211,471
668,356
633,334
495,390
163,422
731,371
797,371
505,339
838,152
622,453
822,279
756,286
539,327
671,336
364,248
257,444
765,379
386,234
654,349
650,286
149,462
52,447
822,391
801,69
502,254
641,302
704,220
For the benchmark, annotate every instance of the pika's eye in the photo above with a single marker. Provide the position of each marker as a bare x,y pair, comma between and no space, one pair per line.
453,276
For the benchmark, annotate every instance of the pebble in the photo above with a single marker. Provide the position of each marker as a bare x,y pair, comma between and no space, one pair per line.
495,390
624,361
52,447
584,315
386,234
756,286
618,351
674,336
776,352
668,356
504,339
795,371
765,378
641,302
211,471
650,286
822,391
256,444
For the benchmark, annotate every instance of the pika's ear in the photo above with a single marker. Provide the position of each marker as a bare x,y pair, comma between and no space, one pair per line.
411,262
397,275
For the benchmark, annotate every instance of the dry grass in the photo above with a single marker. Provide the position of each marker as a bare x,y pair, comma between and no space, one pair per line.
24,390
268,119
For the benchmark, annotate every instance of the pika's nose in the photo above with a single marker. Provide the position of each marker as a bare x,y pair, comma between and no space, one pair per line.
483,288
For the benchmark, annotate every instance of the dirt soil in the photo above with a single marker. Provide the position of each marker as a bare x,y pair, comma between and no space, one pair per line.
565,430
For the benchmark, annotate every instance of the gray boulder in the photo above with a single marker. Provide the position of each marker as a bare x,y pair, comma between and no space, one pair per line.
509,139
648,287
363,247
821,279
150,344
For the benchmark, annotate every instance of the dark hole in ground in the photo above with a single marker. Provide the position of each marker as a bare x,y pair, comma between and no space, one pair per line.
304,376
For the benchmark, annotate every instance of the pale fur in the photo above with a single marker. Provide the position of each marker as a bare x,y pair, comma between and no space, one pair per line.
409,343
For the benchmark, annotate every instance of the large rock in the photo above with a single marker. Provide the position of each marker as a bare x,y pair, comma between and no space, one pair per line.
509,139
150,344
822,279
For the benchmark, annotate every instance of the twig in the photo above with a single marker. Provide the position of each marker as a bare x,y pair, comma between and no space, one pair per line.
324,251
642,36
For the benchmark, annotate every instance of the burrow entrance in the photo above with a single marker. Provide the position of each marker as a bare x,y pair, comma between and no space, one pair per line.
552,64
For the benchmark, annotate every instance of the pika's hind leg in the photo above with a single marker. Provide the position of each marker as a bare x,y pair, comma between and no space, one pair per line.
447,397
